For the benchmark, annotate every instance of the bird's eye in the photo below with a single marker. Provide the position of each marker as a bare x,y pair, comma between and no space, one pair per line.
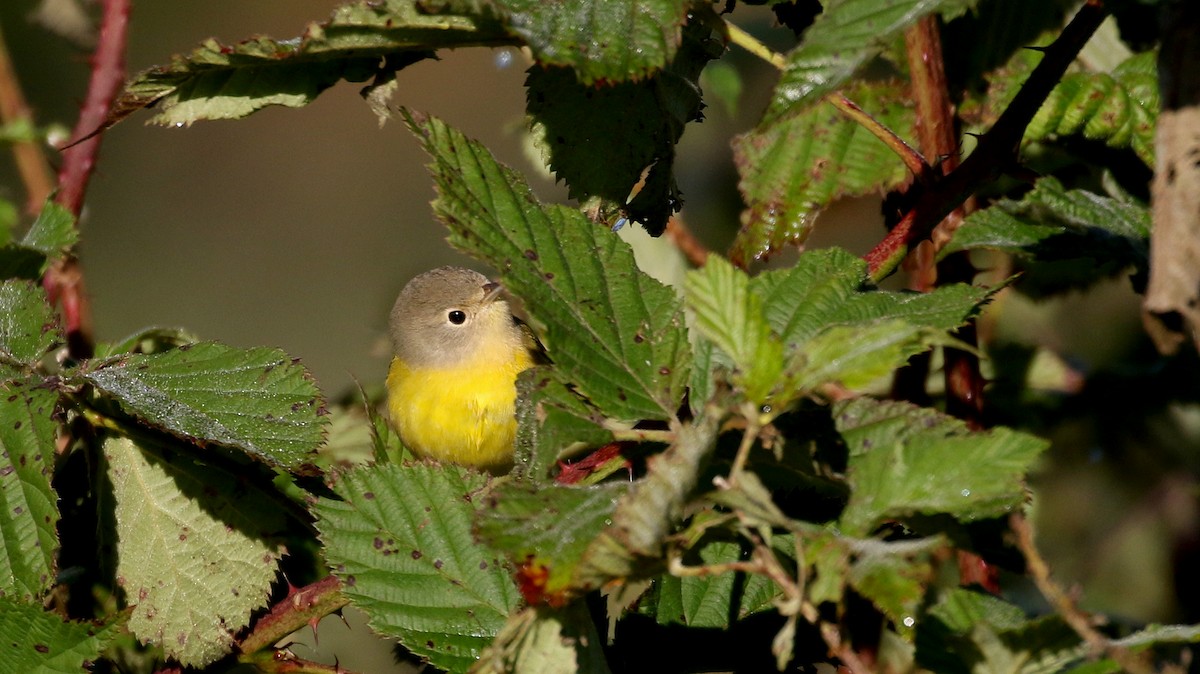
457,317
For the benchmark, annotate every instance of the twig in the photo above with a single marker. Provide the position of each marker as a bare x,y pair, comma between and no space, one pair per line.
751,44
31,160
1065,606
303,606
833,639
753,426
687,243
911,158
996,151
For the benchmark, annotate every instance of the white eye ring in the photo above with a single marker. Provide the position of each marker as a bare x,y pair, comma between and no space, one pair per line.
457,317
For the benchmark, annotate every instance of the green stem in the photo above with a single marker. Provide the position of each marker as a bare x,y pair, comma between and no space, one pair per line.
751,44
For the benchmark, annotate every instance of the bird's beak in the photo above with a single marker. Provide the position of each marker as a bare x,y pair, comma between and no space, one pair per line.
491,291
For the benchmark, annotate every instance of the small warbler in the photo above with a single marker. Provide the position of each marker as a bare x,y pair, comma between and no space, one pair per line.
452,383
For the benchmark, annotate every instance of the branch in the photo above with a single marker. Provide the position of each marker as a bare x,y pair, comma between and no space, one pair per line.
1065,606
303,606
937,136
996,151
687,243
31,161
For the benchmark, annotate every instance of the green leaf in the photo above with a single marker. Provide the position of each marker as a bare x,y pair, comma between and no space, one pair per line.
588,140
53,232
791,169
601,41
1075,237
219,81
542,639
846,35
549,529
828,288
28,503
197,549
893,576
1120,109
28,328
401,542
938,466
259,400
859,355
552,420
35,641
1160,634
615,333
1042,646
701,601
730,314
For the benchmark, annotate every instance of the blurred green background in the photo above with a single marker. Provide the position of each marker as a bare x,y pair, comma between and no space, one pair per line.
296,228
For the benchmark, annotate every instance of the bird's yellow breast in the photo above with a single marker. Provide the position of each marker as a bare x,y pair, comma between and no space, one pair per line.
462,414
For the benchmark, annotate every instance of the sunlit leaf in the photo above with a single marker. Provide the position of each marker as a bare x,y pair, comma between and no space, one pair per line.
401,542
260,400
197,550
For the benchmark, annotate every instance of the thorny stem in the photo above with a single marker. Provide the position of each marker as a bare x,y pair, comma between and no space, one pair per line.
911,157
937,137
283,662
1065,606
64,280
996,151
301,607
31,160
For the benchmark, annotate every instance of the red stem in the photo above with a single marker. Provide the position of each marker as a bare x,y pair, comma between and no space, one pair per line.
108,76
64,280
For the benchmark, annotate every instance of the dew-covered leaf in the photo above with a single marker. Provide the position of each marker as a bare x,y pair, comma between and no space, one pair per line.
936,467
198,548
258,400
401,541
28,328
614,332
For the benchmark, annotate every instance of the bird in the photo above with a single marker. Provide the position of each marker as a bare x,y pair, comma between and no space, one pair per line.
457,351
